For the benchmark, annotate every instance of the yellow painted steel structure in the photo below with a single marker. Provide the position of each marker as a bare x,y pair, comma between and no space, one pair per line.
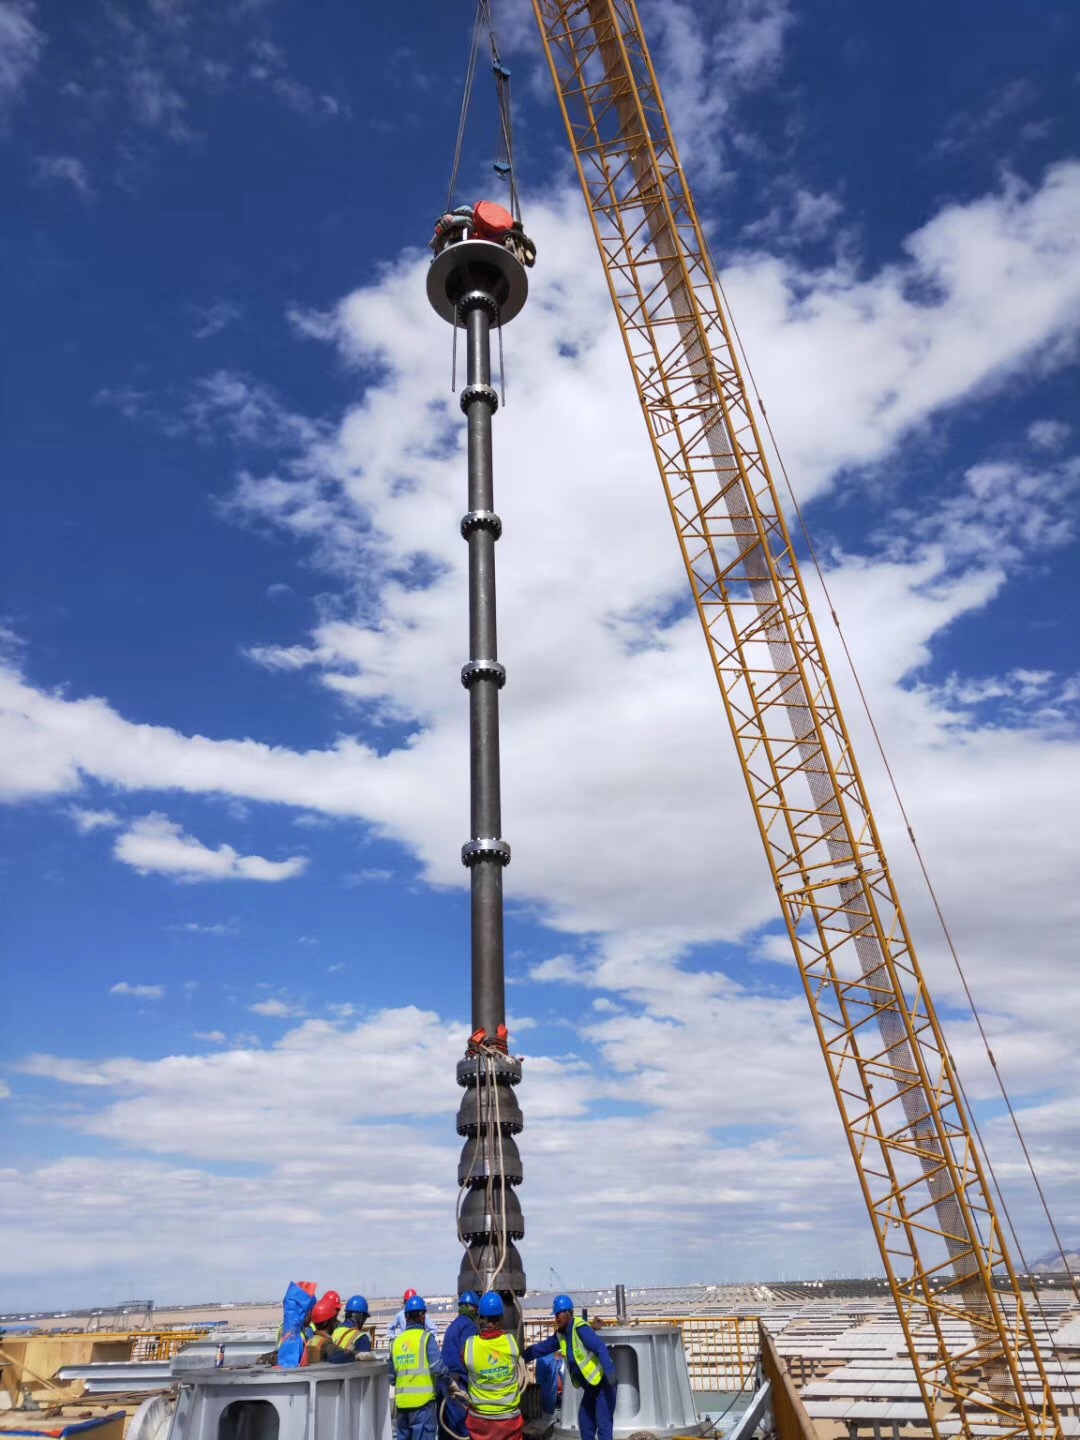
922,1177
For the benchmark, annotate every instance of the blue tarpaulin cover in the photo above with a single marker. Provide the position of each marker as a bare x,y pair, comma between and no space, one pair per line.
296,1306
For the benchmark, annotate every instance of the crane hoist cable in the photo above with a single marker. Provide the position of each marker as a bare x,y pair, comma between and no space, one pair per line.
484,21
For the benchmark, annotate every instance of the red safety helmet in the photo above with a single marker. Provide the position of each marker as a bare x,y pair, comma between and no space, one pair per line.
409,1295
326,1308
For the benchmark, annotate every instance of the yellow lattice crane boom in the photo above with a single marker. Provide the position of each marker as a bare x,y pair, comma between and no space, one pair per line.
924,1182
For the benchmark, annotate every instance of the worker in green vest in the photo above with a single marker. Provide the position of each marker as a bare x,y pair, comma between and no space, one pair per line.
415,1365
588,1364
493,1365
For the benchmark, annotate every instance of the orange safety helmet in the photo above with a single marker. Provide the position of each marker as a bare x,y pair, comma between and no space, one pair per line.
409,1295
326,1308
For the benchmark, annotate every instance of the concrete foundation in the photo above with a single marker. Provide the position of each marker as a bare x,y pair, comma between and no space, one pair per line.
654,1385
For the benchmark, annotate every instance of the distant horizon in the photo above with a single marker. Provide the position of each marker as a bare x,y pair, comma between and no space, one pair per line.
443,1298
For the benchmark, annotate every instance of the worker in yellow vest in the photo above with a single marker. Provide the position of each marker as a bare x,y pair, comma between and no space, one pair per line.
589,1365
493,1365
415,1365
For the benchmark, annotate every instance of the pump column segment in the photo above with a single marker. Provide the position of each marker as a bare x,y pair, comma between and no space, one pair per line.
477,281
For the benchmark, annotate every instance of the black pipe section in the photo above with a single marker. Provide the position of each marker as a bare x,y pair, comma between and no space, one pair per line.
475,281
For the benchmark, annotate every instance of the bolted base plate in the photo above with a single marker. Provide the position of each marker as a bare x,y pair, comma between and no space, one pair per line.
477,265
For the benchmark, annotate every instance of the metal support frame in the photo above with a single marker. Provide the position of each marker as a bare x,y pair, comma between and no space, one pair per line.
923,1180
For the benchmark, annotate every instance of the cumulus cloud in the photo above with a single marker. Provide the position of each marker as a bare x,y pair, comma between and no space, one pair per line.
613,736
138,992
86,821
275,1009
156,845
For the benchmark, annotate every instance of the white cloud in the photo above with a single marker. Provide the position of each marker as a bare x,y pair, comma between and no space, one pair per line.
983,287
219,927
1049,434
156,103
156,845
276,1009
707,59
65,170
87,821
212,1037
614,742
268,67
211,319
249,412
138,992
21,44
5,1090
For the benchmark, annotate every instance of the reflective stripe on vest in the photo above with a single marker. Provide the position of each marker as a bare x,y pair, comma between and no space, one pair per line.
592,1371
493,1375
413,1385
346,1336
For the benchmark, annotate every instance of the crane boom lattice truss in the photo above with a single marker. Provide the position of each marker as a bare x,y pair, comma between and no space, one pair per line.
923,1180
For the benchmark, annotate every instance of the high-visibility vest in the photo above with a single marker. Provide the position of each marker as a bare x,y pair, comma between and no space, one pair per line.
494,1387
413,1385
592,1372
346,1336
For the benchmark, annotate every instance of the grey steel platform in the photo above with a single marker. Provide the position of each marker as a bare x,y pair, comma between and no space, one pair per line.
654,1385
316,1402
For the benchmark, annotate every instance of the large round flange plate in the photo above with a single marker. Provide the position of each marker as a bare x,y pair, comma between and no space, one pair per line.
477,265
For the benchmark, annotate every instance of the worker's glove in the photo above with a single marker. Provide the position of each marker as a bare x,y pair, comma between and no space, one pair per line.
458,1394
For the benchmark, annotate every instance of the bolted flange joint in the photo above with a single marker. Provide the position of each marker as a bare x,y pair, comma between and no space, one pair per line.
480,520
475,670
472,393
474,299
487,849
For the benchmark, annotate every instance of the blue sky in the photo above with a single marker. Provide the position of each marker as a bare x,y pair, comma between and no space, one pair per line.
232,737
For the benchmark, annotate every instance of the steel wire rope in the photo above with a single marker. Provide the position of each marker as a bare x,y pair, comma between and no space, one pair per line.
466,100
923,868
505,104
484,19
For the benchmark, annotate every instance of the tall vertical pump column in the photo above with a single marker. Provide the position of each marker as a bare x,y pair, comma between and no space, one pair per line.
478,283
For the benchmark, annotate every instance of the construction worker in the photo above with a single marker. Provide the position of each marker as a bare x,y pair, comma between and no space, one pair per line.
493,1367
452,1412
350,1334
321,1347
415,1366
397,1325
589,1365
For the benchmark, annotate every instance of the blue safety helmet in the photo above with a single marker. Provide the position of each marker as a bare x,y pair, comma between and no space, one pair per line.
469,1298
416,1305
561,1303
491,1306
356,1305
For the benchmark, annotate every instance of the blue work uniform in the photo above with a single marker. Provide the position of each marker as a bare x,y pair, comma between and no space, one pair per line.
453,1416
421,1422
400,1322
596,1413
